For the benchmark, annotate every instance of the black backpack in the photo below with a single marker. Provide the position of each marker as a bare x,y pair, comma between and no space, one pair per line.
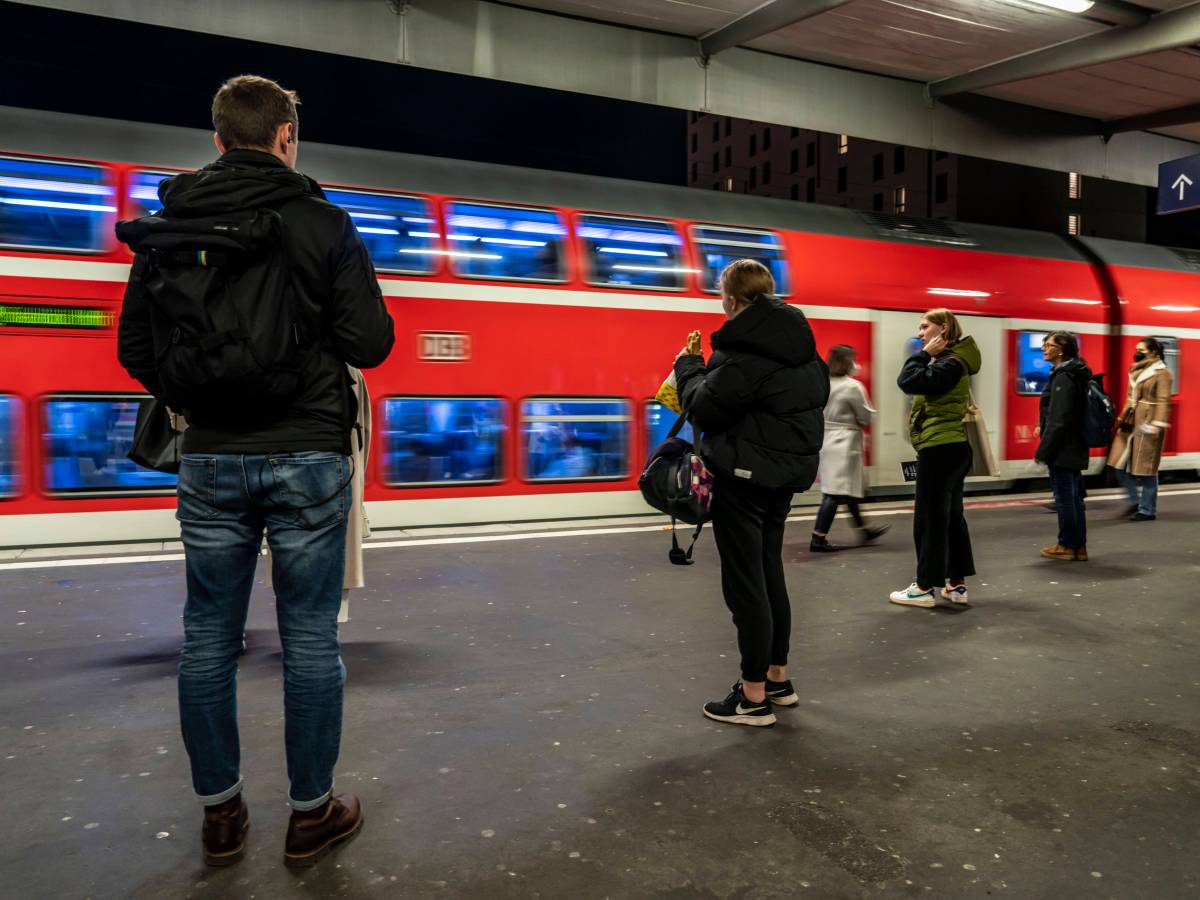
1099,414
676,482
227,340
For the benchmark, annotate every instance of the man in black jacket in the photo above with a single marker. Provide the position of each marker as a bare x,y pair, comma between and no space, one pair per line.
759,404
1062,447
285,471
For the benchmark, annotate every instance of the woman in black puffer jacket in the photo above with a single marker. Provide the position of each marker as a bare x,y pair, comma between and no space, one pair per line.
758,404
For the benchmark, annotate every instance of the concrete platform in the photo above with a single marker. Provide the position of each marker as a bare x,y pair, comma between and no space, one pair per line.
523,721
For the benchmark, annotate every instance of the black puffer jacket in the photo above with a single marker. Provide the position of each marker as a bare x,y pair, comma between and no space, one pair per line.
759,400
338,299
1061,416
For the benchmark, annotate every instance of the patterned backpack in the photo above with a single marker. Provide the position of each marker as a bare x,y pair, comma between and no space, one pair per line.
676,482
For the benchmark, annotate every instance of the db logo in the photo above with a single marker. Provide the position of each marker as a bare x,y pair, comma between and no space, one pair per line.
445,346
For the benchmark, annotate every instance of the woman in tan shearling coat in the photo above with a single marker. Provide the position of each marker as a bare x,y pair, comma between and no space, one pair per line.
1141,430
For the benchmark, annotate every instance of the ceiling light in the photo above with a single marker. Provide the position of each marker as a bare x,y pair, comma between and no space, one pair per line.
1071,6
957,292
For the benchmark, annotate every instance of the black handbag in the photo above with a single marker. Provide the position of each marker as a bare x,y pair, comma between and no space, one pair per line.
676,482
156,443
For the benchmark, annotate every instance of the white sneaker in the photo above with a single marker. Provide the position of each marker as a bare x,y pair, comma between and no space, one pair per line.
913,596
956,594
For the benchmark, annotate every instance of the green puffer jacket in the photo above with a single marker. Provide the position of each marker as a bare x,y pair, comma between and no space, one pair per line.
941,391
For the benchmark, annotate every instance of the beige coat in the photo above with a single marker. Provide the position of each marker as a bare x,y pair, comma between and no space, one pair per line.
847,413
1148,411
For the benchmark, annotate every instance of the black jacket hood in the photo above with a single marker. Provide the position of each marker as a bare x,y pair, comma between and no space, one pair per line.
770,328
239,180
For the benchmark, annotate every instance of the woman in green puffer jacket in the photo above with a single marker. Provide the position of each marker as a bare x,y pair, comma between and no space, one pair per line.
939,378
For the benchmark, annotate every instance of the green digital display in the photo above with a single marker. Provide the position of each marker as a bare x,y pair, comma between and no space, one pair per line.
29,315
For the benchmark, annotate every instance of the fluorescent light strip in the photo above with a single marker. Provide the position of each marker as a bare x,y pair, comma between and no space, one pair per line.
629,268
424,234
632,251
512,242
57,204
57,187
417,220
1177,308
1071,6
144,193
366,229
377,216
457,254
956,292
1073,300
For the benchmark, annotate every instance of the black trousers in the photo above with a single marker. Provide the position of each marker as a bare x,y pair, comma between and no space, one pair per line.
748,523
828,512
939,527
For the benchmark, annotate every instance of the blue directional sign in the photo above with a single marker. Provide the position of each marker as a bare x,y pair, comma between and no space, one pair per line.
1179,185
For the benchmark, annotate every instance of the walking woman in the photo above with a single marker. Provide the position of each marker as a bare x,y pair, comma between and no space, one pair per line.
1138,445
1061,445
841,474
938,378
758,405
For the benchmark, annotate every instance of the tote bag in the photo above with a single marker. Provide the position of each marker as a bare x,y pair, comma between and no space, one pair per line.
983,461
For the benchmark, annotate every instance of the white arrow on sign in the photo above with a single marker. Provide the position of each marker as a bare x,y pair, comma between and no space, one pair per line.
1181,183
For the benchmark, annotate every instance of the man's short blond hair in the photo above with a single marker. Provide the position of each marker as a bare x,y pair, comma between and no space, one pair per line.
746,279
248,109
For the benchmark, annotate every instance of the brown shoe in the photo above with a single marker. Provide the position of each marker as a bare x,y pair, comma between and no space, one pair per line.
1059,552
1081,554
312,834
224,832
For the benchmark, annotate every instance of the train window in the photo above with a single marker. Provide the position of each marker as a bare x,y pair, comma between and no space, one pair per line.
10,434
85,441
400,232
143,193
503,242
637,253
1170,347
442,440
54,206
573,439
659,420
1033,372
719,246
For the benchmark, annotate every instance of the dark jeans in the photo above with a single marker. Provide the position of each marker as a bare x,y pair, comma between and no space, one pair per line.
828,512
748,523
1067,485
939,527
225,502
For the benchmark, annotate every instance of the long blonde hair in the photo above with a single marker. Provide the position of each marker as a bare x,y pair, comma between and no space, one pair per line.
951,330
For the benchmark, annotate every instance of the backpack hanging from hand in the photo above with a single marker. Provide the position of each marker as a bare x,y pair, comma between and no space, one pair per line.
676,482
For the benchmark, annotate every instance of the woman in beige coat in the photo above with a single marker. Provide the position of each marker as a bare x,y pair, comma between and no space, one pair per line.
1141,430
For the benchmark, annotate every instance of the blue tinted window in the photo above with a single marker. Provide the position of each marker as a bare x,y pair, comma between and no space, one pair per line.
632,252
718,247
575,439
10,433
54,206
143,193
659,420
442,440
85,444
498,242
1033,372
400,232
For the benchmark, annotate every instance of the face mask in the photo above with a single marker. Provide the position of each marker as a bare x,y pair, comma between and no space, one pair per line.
1139,355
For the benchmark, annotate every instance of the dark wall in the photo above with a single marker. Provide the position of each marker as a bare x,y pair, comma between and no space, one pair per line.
1175,230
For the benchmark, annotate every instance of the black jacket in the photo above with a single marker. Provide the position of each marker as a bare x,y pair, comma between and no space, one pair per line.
1061,416
337,298
759,402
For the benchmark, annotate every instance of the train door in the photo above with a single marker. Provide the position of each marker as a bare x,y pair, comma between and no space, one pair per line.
894,339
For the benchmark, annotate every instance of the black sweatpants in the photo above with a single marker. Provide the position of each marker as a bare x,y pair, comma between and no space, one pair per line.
748,523
939,527
828,512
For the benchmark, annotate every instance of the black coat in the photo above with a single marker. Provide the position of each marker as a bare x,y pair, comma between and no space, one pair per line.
337,294
759,401
1061,416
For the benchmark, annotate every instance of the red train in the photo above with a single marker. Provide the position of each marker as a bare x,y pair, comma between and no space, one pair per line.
536,314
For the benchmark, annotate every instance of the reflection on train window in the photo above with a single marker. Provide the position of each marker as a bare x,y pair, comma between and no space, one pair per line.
10,433
400,232
1170,347
1033,372
143,193
636,253
85,443
719,246
507,243
659,420
575,440
54,206
442,440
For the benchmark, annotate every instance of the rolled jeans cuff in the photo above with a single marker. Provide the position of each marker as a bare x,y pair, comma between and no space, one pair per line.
307,805
227,794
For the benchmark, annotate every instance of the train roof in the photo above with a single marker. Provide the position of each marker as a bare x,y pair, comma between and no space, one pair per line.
89,137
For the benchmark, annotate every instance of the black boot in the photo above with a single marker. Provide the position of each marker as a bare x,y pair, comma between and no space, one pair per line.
873,532
820,544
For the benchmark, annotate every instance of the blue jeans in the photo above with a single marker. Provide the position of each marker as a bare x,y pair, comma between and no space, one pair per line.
1146,485
225,502
1067,485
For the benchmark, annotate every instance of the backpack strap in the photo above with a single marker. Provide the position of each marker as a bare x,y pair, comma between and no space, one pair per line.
677,556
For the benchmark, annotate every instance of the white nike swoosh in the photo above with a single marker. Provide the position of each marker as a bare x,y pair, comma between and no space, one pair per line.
742,711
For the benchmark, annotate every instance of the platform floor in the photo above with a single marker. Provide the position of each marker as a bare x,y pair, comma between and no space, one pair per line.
523,721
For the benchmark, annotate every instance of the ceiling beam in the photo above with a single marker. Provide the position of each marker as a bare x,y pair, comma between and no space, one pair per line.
1117,12
761,21
1165,31
1163,118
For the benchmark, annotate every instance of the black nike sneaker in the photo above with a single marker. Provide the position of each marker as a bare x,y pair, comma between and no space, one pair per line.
781,693
737,710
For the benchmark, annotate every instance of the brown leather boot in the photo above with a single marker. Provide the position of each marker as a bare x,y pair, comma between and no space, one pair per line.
314,833
1059,552
1081,555
224,832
